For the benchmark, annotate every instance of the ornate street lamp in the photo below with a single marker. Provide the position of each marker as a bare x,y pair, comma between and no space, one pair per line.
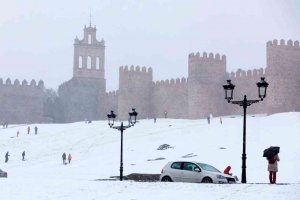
111,118
229,90
132,117
262,89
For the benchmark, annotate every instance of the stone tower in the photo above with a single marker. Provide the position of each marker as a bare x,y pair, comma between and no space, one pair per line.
83,96
89,56
206,74
283,72
135,91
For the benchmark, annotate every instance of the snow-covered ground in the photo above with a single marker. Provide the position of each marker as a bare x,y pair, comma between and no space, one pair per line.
96,155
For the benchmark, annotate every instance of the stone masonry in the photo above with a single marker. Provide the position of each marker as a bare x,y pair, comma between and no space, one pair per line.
84,96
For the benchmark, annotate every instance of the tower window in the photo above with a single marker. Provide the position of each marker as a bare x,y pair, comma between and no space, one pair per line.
89,62
90,39
80,62
97,63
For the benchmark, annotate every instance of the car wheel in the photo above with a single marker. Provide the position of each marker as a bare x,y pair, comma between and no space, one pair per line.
166,179
207,180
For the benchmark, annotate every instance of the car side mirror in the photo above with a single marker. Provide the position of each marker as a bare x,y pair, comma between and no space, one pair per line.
197,170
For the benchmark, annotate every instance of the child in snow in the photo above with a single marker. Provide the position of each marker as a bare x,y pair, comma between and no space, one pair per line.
227,170
69,158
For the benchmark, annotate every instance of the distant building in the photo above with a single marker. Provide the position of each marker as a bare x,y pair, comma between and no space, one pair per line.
196,96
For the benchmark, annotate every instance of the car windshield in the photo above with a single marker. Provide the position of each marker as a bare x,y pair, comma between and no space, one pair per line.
207,167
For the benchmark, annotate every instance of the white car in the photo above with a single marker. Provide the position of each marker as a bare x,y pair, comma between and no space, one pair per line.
193,172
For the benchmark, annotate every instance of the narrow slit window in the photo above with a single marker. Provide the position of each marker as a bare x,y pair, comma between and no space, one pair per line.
89,62
80,62
97,63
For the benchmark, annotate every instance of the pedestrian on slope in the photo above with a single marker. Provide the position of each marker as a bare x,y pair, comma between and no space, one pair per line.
6,157
69,158
273,168
18,133
221,120
35,130
64,158
28,129
208,119
23,156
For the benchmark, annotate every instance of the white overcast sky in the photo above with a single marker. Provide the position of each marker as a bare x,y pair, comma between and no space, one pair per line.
36,37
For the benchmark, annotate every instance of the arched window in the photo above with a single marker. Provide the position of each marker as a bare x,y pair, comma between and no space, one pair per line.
89,62
80,62
97,63
90,39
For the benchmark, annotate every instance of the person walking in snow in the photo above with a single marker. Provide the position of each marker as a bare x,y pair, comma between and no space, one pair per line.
69,158
208,119
64,158
221,120
273,168
28,129
23,156
18,133
6,157
35,130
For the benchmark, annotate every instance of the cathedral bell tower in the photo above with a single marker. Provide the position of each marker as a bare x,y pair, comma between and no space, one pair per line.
89,55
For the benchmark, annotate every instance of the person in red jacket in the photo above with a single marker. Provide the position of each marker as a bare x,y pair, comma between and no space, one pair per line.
69,158
227,170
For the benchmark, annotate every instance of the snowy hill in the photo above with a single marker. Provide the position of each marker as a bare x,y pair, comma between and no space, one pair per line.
96,155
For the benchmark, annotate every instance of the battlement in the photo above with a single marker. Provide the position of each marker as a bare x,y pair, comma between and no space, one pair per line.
171,83
136,69
16,83
246,74
112,94
207,58
283,43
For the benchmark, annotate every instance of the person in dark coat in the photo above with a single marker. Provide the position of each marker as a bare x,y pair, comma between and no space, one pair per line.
64,158
273,168
6,157
28,129
35,129
23,156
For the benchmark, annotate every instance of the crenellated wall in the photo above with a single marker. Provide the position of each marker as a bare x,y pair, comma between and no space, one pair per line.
171,96
245,84
111,102
206,74
200,94
21,102
283,69
135,91
82,98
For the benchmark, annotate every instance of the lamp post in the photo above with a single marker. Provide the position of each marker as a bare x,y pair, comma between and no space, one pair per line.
262,90
132,120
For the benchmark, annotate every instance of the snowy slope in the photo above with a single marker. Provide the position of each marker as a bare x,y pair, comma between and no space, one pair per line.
96,154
